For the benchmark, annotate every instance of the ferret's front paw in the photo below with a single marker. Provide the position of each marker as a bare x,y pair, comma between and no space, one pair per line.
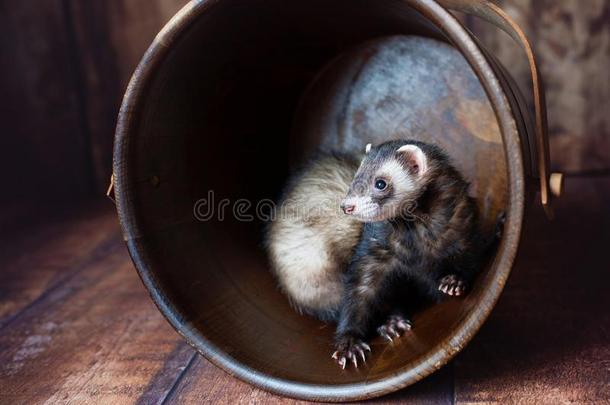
452,285
394,327
350,349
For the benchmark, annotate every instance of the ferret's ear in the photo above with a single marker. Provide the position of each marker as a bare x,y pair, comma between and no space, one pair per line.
414,159
368,147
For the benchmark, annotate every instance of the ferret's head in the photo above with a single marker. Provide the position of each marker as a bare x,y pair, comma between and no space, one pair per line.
389,181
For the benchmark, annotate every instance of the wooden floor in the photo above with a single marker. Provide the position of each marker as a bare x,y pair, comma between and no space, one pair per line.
77,326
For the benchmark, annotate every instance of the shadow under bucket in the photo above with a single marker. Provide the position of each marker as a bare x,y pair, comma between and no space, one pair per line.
233,94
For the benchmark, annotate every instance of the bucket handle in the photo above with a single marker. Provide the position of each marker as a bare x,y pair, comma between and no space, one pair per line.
551,184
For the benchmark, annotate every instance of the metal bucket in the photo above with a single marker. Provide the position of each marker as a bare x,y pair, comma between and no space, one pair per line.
229,96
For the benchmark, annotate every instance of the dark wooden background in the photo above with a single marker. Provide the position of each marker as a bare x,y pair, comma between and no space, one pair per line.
64,65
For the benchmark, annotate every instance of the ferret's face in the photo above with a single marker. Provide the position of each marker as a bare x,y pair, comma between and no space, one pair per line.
387,183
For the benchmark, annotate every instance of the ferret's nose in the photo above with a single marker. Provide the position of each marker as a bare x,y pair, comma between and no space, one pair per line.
348,208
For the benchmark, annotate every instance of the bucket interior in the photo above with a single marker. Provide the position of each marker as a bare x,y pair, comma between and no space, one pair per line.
241,96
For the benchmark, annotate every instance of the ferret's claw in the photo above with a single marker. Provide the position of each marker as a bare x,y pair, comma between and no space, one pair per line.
452,285
395,326
351,350
403,325
362,355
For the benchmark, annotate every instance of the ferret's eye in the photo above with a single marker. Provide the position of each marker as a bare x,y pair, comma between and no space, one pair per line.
380,184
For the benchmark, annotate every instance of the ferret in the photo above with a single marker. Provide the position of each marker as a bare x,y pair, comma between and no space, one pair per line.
409,229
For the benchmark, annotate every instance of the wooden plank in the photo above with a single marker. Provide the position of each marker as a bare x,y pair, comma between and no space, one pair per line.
163,382
44,152
42,254
112,36
95,339
547,340
205,383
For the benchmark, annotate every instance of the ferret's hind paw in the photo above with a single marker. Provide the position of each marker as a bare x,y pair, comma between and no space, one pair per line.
394,327
452,285
351,350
